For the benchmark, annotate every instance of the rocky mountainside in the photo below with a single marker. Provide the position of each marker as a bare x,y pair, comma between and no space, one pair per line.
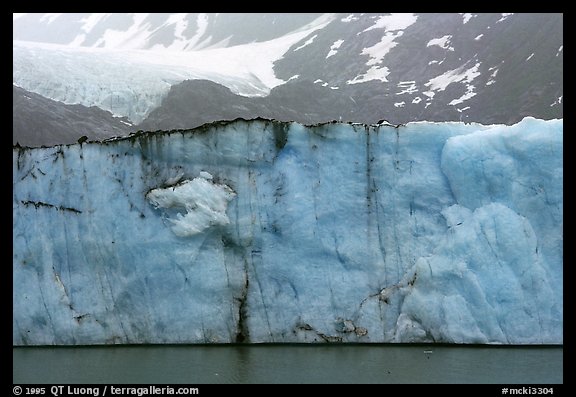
491,69
165,71
38,121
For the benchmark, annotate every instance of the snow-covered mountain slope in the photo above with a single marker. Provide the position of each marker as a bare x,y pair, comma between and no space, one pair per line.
131,83
260,231
38,121
489,68
158,31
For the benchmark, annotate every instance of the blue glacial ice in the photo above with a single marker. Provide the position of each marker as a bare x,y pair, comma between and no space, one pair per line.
261,231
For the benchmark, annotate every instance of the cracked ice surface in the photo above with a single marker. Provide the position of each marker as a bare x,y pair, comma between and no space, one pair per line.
443,232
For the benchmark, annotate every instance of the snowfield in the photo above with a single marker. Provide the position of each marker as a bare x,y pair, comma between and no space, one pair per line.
132,82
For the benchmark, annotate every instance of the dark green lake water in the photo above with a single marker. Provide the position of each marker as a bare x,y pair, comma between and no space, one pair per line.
289,364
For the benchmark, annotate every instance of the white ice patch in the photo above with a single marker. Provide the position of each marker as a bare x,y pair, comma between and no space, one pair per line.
409,87
560,50
443,42
204,204
377,52
374,73
306,43
469,94
558,101
393,25
334,48
202,25
478,37
439,83
467,16
180,25
394,21
504,16
136,33
349,18
400,104
88,24
492,76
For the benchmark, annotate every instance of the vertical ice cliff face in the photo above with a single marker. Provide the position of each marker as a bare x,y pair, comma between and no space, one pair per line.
260,231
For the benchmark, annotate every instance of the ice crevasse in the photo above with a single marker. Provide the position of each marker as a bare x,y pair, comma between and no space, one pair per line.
263,231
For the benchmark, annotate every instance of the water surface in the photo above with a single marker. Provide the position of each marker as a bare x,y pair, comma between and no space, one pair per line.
199,364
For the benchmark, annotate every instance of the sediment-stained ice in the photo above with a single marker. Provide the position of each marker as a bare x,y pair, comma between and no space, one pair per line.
261,231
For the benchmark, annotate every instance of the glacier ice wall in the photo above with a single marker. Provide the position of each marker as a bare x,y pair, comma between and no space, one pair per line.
261,231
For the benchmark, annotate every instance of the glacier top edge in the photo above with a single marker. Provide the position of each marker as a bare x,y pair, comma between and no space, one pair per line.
225,123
